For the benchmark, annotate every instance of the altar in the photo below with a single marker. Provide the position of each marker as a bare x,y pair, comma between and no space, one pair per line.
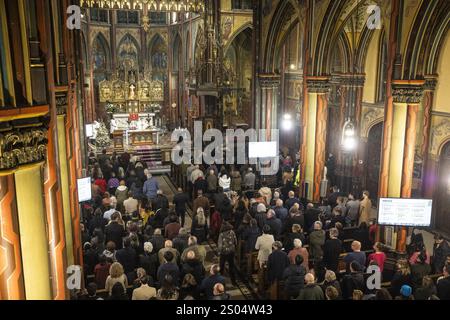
133,130
143,137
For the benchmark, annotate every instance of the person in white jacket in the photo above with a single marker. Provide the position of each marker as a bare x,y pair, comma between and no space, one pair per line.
225,182
264,246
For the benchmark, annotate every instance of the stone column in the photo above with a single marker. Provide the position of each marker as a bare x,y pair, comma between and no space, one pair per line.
407,95
33,233
315,116
270,84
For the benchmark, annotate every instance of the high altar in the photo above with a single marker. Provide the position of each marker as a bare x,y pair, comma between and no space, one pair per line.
134,106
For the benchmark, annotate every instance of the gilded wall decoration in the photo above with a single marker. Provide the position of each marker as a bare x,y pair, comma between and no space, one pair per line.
227,28
22,147
407,93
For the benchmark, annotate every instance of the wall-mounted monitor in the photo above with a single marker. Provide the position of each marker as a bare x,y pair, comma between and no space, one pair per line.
84,190
405,212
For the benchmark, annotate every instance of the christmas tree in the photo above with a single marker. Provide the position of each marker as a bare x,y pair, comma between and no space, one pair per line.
103,139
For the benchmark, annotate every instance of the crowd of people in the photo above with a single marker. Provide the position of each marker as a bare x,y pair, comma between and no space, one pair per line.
136,241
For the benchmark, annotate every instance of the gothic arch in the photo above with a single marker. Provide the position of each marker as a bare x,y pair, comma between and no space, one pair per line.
325,38
133,40
426,38
363,47
284,20
344,52
158,57
235,34
135,43
103,45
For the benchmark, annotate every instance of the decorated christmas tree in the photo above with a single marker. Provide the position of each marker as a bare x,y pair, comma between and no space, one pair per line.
103,139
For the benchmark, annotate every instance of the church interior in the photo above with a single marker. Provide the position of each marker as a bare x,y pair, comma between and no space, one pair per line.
92,92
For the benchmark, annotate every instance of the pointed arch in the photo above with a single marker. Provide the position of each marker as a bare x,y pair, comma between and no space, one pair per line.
325,38
429,30
101,53
284,20
127,37
123,49
247,26
158,57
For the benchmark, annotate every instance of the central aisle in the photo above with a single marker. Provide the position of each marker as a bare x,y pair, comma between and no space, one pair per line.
241,292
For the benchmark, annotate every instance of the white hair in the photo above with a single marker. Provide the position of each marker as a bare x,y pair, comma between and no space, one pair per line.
148,247
309,278
298,243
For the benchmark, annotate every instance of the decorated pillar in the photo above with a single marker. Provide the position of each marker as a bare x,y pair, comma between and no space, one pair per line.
61,102
406,95
270,84
11,270
315,117
33,237
428,181
51,179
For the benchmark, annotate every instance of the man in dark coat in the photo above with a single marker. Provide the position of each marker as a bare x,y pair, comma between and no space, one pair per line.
168,267
441,250
114,231
274,223
157,240
160,202
353,281
332,250
207,286
180,200
311,216
127,256
278,261
180,242
200,184
291,200
294,277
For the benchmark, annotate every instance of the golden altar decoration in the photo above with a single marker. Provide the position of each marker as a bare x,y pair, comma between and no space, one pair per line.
119,91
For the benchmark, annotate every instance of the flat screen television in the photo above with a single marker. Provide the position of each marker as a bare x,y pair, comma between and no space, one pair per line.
84,190
405,212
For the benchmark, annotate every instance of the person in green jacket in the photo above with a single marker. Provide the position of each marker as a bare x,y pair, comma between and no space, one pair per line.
311,291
